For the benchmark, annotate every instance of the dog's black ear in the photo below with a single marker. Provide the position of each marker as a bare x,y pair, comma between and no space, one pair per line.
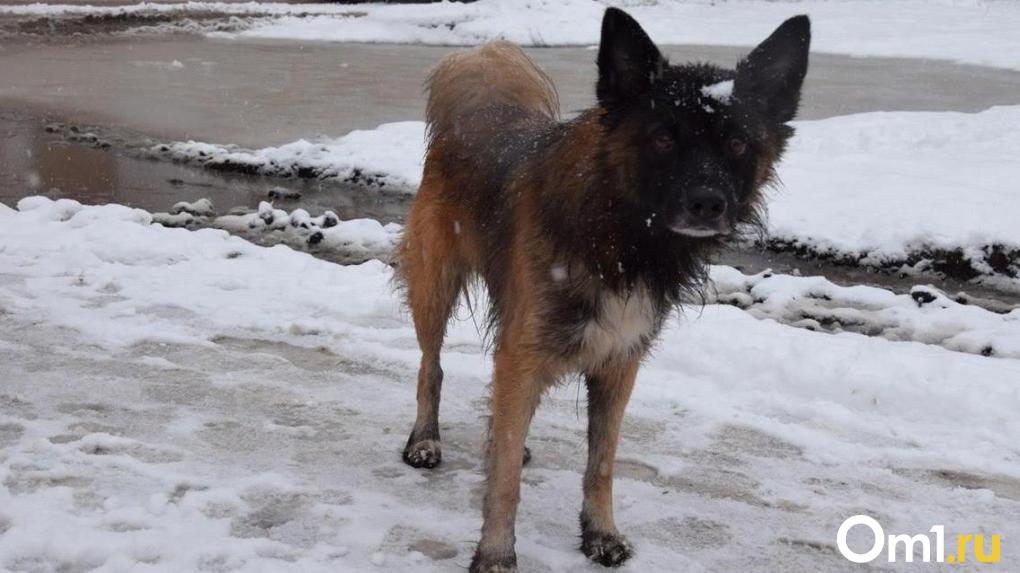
772,74
628,59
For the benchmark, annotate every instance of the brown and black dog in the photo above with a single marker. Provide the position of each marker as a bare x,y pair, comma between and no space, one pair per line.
586,233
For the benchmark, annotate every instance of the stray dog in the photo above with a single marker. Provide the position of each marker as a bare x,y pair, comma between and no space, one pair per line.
586,233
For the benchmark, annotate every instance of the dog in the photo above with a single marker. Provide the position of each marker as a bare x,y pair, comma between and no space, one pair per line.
586,233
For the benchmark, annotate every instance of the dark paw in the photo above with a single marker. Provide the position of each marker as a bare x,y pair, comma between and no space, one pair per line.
484,564
423,454
608,549
527,456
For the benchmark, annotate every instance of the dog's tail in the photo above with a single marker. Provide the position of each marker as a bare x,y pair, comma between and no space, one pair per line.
496,73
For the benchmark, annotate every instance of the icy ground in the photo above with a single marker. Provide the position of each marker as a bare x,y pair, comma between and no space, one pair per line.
877,189
971,31
176,400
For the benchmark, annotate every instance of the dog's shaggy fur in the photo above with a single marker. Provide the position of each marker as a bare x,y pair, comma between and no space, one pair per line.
586,233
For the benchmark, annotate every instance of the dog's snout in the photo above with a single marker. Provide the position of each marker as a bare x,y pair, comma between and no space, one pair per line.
705,204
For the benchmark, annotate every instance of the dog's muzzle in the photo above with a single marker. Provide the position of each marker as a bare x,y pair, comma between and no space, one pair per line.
703,214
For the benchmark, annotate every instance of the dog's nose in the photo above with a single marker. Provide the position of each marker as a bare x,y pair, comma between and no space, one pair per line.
705,204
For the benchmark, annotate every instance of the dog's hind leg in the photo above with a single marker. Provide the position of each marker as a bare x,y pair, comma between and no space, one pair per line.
608,392
434,272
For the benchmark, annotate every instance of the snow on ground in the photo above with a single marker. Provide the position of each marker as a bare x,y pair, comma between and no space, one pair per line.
879,189
391,154
971,31
177,400
884,185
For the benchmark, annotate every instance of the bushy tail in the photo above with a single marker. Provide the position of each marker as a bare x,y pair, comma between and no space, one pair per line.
495,73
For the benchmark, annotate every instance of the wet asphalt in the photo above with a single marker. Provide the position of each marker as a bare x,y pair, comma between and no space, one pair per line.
256,93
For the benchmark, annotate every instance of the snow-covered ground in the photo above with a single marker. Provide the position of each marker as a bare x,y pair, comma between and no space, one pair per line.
177,400
972,31
879,189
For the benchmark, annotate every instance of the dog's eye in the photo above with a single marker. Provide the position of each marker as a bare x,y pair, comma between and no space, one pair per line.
662,142
737,146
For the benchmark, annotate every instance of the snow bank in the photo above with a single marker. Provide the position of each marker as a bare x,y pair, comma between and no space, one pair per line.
966,31
116,254
178,400
890,188
390,155
971,31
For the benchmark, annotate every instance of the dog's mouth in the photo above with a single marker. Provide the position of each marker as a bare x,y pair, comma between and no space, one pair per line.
698,232
686,228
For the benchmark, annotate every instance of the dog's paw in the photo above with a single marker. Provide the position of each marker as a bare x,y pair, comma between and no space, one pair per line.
608,549
423,454
483,564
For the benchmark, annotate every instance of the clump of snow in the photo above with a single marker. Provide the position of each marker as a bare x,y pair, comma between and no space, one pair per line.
391,156
720,91
200,208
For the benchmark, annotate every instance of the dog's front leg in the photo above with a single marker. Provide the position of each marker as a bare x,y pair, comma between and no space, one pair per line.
608,392
516,389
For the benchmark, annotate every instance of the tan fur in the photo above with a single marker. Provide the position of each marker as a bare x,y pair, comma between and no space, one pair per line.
497,72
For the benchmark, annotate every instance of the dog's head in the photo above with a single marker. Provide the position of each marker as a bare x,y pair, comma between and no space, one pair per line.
696,143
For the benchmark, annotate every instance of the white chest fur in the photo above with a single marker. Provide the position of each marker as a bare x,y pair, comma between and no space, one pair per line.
622,324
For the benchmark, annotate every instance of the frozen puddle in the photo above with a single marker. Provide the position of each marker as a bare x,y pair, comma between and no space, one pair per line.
189,401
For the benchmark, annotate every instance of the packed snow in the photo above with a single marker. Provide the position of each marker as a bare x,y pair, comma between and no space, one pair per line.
178,400
881,189
971,31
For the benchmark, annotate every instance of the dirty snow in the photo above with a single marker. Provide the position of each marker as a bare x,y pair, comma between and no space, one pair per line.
177,400
347,242
925,315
